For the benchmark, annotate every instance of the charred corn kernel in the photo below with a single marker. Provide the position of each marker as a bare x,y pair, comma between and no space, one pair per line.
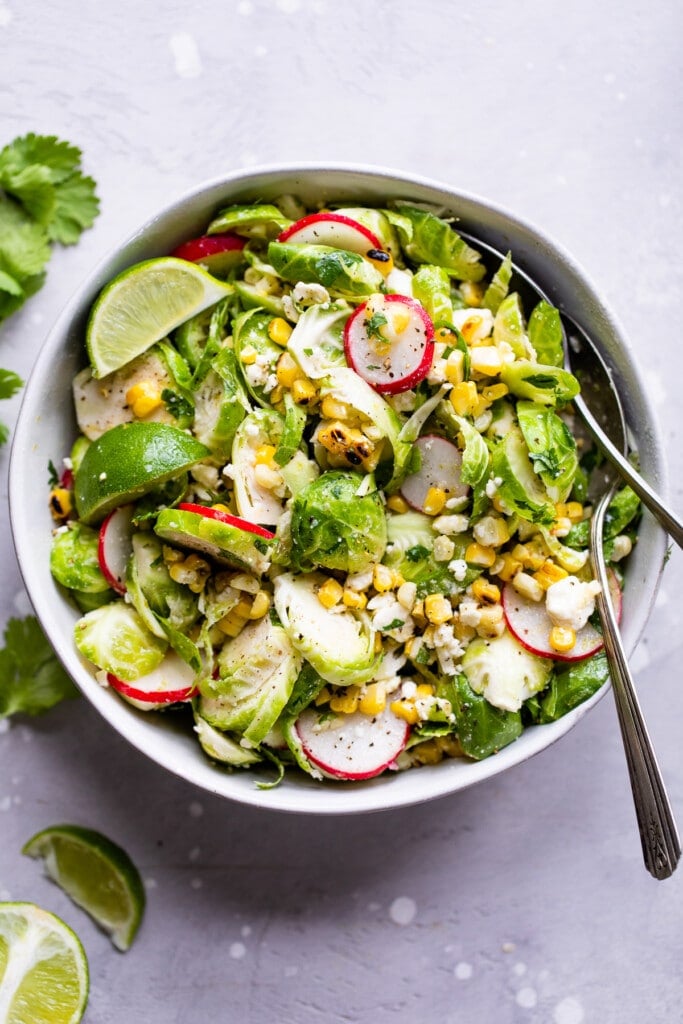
491,621
486,360
303,391
527,586
406,710
60,502
509,568
400,319
434,501
332,409
266,477
438,609
277,394
232,624
346,703
279,331
260,605
322,697
397,504
265,456
381,259
464,398
549,573
485,592
494,391
354,599
287,370
369,463
193,571
373,699
455,367
143,399
330,593
491,532
562,639
530,555
248,355
472,292
347,442
471,326
463,632
383,579
477,554
171,555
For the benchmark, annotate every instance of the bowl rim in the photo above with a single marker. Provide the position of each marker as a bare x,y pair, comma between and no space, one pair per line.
299,797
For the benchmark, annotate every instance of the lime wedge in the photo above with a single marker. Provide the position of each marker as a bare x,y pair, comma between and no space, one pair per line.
97,874
127,462
141,306
43,968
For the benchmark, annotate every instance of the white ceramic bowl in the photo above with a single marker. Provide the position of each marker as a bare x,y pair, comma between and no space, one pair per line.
46,429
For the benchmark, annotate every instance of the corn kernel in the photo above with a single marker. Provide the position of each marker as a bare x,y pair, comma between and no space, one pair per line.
486,360
406,710
303,391
353,599
437,609
491,532
266,477
397,504
463,632
471,326
509,568
562,639
219,507
485,592
445,335
399,320
464,398
287,370
494,391
143,399
232,624
346,703
248,355
330,593
491,622
265,456
561,526
477,554
443,549
455,367
277,394
406,594
60,502
345,442
382,579
243,607
378,643
549,573
193,571
527,586
260,605
322,697
472,292
279,331
381,259
373,699
332,409
424,690
434,501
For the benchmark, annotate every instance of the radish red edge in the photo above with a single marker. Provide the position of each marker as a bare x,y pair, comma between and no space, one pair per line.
411,379
146,697
195,250
313,219
114,547
387,764
225,517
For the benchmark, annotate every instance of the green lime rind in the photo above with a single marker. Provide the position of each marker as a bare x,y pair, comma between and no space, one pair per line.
96,874
54,988
142,305
127,462
218,539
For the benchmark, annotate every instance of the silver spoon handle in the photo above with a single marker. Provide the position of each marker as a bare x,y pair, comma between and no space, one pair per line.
658,834
671,523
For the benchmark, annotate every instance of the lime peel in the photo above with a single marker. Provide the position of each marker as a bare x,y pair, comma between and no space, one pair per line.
96,874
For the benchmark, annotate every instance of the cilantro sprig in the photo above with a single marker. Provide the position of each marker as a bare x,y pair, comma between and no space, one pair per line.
31,678
44,198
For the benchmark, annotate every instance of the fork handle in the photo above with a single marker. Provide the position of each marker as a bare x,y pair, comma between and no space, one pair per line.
658,834
671,523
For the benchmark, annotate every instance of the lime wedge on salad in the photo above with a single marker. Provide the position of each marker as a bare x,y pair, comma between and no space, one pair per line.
97,874
43,968
141,306
128,461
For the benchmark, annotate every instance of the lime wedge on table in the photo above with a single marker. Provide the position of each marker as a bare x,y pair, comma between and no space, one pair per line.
127,462
43,968
141,306
97,874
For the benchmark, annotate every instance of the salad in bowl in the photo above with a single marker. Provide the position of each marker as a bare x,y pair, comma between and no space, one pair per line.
328,497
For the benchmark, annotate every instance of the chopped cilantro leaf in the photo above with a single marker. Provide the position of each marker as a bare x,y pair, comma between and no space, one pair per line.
31,678
374,324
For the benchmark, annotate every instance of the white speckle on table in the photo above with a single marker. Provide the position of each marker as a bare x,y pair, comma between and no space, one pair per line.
245,8
508,947
245,931
5,15
186,57
526,998
568,1011
665,200
196,809
17,800
288,6
621,96
463,971
260,51
237,950
194,854
519,969
150,883
373,907
402,910
610,78
4,725
196,883
5,803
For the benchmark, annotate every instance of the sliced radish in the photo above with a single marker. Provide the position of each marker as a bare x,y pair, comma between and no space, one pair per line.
389,342
171,683
66,480
334,229
530,623
440,467
225,517
218,253
116,546
352,747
